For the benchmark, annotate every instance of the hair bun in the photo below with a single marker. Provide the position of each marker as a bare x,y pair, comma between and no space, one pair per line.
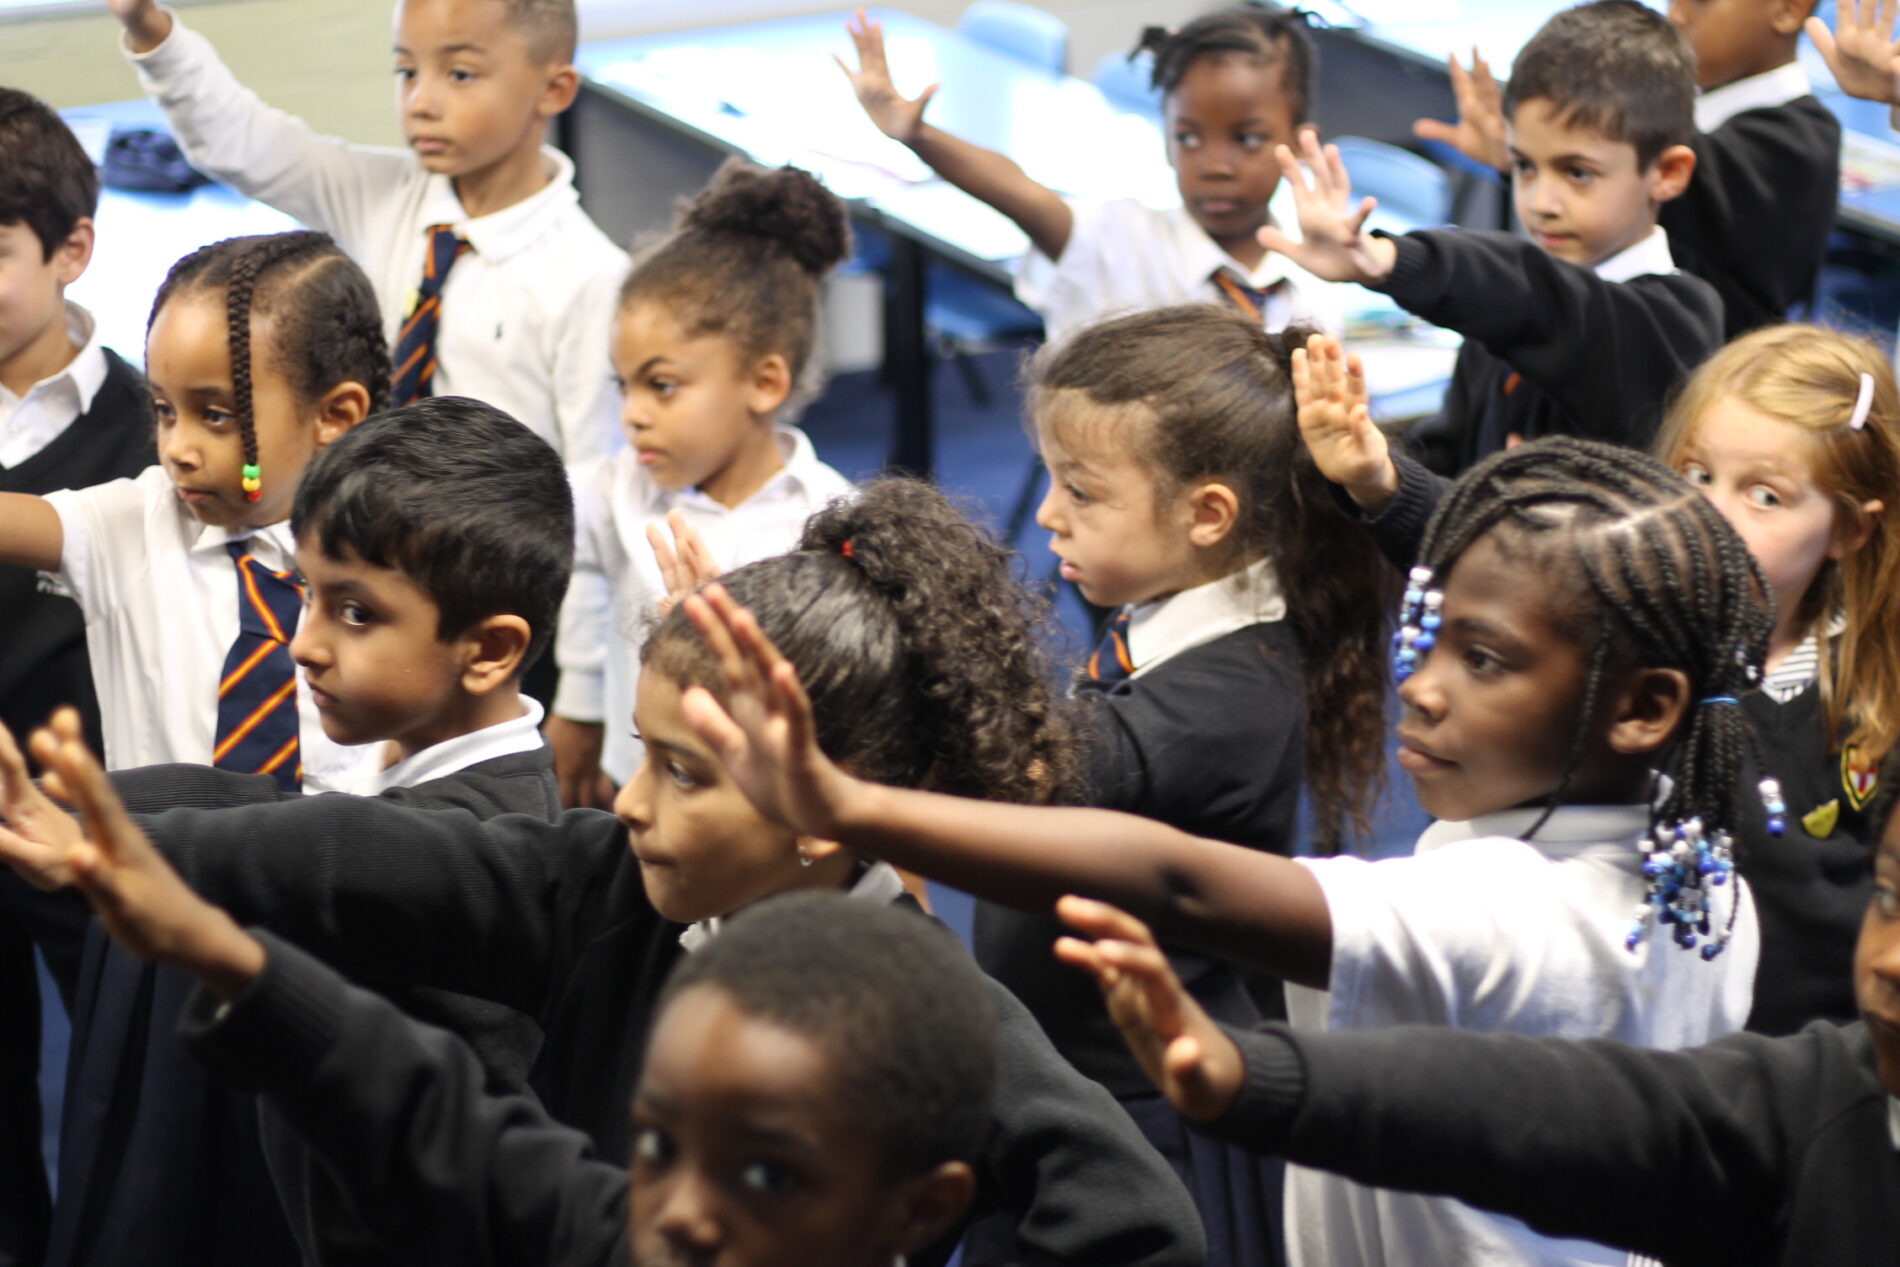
785,205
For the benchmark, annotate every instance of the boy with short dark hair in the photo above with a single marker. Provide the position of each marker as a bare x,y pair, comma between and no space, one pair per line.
493,282
435,543
1755,221
1583,329
71,414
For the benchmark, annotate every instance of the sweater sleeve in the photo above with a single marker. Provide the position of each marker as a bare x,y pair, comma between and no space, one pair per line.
439,1169
228,132
498,908
1400,527
153,789
1596,1139
1083,1183
1607,352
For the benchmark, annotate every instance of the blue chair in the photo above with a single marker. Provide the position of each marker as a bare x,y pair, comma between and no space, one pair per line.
1413,192
1128,83
1024,33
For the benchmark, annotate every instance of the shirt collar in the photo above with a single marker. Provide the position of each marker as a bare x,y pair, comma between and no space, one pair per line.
1180,622
500,234
793,479
1641,258
1757,92
879,883
1569,829
86,372
503,739
273,545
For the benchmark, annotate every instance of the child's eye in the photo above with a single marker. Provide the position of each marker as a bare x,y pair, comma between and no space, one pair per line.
356,614
1522,167
768,1177
1580,174
461,76
1187,140
1076,495
1481,661
405,73
1253,140
1698,475
662,387
1886,902
163,412
1764,497
219,418
681,775
652,1146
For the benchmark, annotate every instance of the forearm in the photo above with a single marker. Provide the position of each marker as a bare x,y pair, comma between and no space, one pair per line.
30,532
997,180
1242,905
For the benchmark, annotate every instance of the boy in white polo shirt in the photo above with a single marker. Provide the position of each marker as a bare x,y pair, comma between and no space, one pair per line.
474,239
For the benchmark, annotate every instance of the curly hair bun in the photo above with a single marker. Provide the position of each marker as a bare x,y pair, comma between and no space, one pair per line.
782,204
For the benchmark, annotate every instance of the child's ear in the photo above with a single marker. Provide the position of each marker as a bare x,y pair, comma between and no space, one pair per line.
926,1207
1651,706
1670,174
495,647
1855,528
339,409
1213,511
769,384
1789,16
72,255
564,83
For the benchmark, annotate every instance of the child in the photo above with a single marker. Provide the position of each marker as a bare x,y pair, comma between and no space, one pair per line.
1754,222
1584,329
1749,1150
1593,619
479,232
71,414
712,343
577,923
1181,496
433,543
1234,84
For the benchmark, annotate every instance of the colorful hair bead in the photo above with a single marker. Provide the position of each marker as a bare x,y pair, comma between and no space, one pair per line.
1777,808
1419,618
1682,864
253,482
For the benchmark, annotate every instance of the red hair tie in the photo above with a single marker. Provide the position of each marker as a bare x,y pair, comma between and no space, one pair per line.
846,549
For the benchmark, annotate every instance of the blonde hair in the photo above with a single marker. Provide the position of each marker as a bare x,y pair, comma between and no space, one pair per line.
1810,378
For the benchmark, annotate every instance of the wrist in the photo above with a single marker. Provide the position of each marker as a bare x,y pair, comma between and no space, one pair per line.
1373,495
147,28
1382,256
224,957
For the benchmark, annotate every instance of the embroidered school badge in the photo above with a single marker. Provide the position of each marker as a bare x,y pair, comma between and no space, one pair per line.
1820,821
1860,778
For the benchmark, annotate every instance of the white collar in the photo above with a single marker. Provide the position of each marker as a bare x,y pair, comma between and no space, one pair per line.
1757,92
879,883
503,739
87,370
1641,258
1570,830
1160,630
500,234
273,545
795,477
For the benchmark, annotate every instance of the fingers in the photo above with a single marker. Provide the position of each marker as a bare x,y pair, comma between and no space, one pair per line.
1099,920
112,829
15,783
1434,130
1274,240
713,724
1357,221
664,556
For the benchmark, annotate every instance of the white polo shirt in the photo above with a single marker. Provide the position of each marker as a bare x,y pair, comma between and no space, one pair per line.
527,315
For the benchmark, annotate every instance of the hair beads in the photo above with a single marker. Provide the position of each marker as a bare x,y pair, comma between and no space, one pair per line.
1777,808
1682,863
1419,618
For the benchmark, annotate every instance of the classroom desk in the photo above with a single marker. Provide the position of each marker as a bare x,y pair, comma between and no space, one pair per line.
660,112
141,235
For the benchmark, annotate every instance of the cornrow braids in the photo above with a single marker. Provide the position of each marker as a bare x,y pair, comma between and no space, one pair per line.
1264,31
1658,579
328,328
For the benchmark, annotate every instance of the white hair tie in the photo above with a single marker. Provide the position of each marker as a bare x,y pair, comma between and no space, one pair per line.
1864,403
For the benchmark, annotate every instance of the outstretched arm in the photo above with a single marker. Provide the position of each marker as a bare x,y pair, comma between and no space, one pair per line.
983,174
1333,243
1250,907
30,532
1861,50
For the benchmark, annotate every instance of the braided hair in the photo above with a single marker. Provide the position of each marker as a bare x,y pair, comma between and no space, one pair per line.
1654,578
328,331
1266,32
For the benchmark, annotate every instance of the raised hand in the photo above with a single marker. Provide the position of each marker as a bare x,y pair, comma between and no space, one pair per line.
899,117
146,25
1861,50
577,746
764,734
1336,423
1333,244
1479,132
1184,1053
38,833
686,564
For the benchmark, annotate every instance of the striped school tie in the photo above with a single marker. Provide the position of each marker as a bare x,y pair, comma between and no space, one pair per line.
1248,300
414,374
1111,662
257,696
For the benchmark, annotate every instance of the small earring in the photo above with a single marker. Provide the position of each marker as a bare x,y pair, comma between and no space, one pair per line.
804,859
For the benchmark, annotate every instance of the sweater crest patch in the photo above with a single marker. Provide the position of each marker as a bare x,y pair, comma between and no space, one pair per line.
1859,777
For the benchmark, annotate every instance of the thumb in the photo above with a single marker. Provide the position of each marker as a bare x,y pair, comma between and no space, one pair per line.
1434,130
1273,239
1823,38
923,98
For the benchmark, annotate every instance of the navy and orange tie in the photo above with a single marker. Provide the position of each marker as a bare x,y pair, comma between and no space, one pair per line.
1111,662
414,373
1249,300
257,696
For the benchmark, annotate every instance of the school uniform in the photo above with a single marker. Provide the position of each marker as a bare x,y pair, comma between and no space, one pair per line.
86,424
1551,348
1755,220
162,1166
553,920
617,587
1481,930
1749,1150
526,314
1206,734
1123,257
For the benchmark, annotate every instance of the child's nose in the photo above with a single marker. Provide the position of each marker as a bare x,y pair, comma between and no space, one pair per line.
688,1213
1421,692
176,448
1046,516
306,648
633,803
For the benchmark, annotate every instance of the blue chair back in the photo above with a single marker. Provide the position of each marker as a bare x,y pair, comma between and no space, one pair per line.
1412,191
1024,33
1126,82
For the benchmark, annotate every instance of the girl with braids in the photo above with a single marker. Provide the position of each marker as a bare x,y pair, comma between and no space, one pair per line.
1582,620
926,671
259,352
1245,661
712,346
1234,84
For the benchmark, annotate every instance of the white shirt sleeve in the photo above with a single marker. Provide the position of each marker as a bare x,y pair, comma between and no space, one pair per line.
228,132
584,634
91,521
586,405
1070,290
